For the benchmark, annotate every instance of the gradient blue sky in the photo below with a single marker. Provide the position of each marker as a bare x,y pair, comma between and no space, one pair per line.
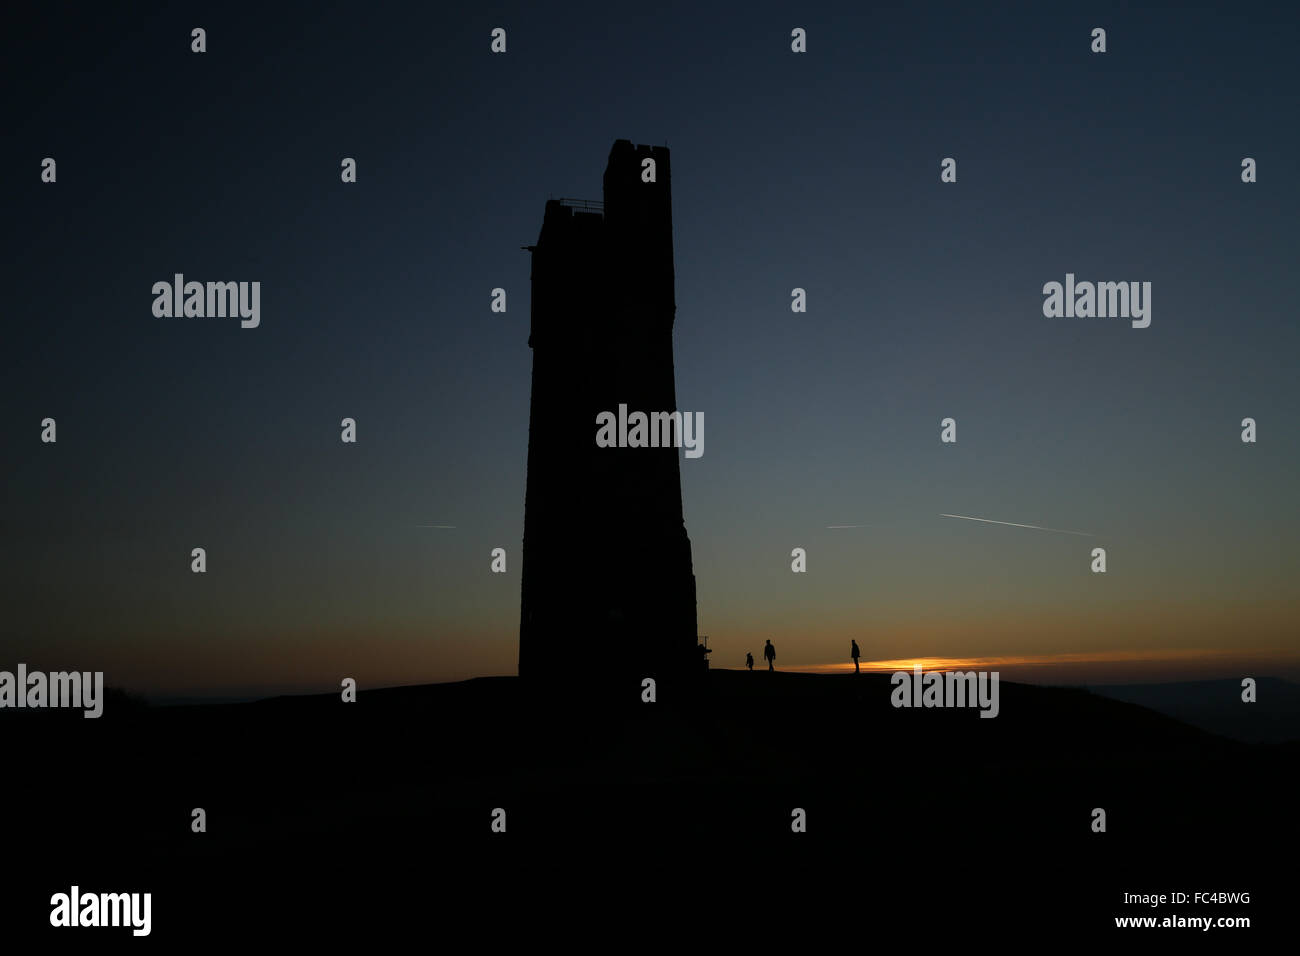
819,171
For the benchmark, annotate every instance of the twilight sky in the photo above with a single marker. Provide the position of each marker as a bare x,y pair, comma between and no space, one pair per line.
818,170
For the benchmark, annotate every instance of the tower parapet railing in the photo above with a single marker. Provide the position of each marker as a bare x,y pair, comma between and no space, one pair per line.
586,205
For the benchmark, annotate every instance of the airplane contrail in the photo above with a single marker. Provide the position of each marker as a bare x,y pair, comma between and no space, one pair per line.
1083,534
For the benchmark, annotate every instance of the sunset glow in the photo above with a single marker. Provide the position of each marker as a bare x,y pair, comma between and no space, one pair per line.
1083,667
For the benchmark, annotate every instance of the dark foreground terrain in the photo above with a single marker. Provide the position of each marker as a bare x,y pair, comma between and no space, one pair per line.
329,821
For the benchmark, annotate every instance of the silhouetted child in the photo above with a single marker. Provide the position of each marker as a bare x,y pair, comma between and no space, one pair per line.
770,653
855,653
749,660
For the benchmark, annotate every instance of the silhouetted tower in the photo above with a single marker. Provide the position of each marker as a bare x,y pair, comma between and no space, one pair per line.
608,592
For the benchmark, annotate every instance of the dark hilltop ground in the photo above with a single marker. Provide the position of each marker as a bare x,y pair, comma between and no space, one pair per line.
375,817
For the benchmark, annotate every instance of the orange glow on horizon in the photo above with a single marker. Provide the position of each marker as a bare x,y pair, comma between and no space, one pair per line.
1199,657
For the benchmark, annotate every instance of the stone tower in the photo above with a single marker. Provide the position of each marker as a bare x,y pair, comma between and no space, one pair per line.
608,592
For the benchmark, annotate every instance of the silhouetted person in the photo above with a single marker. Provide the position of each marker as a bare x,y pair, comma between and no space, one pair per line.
855,652
749,660
770,653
